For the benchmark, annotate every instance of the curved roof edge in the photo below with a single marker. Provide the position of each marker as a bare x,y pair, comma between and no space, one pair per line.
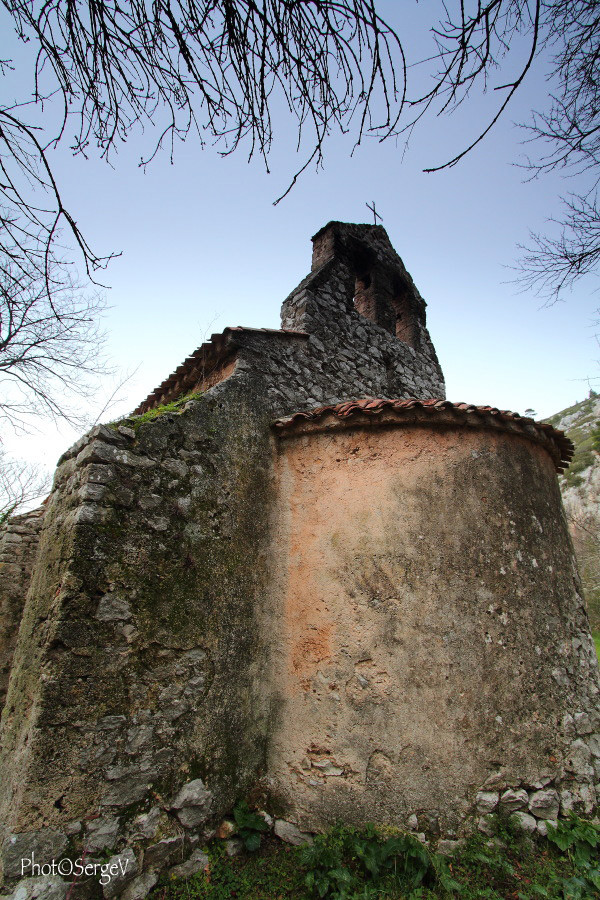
428,412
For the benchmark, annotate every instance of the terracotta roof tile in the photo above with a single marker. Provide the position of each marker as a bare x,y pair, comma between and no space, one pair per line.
556,442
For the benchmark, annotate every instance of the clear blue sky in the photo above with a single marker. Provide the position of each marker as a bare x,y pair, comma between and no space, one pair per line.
204,247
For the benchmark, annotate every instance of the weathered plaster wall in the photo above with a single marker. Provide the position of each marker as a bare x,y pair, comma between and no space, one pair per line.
431,640
138,667
19,539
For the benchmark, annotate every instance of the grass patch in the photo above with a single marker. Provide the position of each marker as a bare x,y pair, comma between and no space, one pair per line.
364,864
596,636
173,406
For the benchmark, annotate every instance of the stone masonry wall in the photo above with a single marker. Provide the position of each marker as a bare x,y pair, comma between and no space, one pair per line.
19,539
330,352
136,711
348,349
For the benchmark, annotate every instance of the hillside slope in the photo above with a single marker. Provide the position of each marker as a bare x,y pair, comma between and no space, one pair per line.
580,486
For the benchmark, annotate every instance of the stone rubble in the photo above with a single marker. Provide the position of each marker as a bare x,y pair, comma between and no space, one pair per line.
197,862
290,833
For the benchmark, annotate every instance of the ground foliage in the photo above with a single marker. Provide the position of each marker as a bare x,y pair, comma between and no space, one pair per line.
250,826
363,864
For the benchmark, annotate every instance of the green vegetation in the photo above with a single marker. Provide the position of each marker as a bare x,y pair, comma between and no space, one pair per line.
249,826
350,863
173,406
580,840
364,864
7,512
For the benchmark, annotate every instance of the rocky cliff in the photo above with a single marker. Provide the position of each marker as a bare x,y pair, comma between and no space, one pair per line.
580,486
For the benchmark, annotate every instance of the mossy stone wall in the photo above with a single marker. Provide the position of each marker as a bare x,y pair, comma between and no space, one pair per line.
139,665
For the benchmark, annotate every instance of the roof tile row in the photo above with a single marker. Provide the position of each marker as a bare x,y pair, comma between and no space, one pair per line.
544,433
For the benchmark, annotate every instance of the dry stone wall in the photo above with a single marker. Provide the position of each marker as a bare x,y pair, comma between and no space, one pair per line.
19,539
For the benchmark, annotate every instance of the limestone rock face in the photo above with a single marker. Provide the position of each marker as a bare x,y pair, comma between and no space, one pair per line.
580,488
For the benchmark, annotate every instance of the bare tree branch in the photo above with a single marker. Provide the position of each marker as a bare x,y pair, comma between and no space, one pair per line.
50,339
211,68
550,265
20,483
220,69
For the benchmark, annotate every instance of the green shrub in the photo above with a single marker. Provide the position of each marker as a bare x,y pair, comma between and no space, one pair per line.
249,825
580,839
348,864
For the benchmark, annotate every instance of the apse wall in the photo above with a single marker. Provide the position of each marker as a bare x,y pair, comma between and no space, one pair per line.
430,639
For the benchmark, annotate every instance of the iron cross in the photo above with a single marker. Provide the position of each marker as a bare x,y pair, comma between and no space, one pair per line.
375,213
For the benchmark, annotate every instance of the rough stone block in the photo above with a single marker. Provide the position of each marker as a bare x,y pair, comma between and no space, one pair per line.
486,801
39,846
148,823
291,834
122,869
525,822
198,862
544,804
234,846
447,847
193,803
542,826
512,800
140,887
164,853
101,833
113,608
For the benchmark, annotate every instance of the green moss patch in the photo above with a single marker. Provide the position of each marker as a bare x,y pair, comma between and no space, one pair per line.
151,414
